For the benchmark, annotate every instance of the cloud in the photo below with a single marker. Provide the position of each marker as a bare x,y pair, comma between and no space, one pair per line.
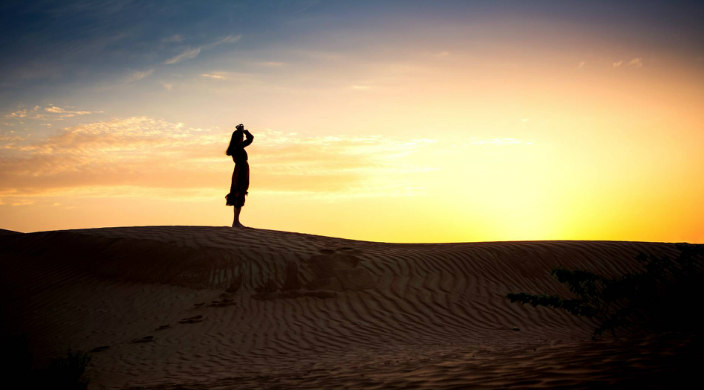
191,53
636,62
22,202
136,76
185,55
240,77
65,113
349,166
130,151
214,76
229,39
22,113
142,152
49,112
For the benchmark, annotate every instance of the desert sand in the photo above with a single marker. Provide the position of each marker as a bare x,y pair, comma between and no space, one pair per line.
219,308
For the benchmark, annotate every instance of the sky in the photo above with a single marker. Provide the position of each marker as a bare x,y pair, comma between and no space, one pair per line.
394,121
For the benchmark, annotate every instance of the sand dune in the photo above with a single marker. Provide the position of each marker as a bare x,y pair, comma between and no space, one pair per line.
214,307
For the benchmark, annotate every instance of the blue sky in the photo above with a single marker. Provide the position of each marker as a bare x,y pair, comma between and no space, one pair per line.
51,47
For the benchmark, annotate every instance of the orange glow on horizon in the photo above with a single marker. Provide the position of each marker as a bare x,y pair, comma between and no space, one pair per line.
494,143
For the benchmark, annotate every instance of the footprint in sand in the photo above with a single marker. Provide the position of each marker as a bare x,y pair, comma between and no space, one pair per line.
191,320
339,270
333,270
225,299
99,349
348,250
162,327
145,339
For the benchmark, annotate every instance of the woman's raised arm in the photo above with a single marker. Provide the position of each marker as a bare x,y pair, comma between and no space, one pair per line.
249,138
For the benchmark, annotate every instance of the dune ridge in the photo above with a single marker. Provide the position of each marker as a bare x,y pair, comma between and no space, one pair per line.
209,307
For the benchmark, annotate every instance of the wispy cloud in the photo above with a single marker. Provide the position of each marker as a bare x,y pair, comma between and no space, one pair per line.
150,153
228,39
185,55
214,76
107,153
355,166
49,112
64,112
239,77
193,52
633,62
136,76
21,113
637,62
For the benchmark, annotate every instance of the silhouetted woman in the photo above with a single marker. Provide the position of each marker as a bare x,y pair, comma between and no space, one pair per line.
240,177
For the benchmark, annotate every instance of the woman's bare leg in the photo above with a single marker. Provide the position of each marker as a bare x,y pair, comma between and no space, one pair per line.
236,222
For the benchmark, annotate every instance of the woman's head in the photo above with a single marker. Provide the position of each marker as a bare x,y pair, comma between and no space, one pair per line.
236,140
238,134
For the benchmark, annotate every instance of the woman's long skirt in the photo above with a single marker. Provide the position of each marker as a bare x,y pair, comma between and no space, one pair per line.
239,186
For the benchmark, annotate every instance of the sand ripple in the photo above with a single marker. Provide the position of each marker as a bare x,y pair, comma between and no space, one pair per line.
214,307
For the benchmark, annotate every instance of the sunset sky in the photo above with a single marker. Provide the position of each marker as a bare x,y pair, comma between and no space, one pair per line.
399,121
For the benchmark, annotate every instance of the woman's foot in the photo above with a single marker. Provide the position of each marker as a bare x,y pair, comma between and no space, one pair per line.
238,225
